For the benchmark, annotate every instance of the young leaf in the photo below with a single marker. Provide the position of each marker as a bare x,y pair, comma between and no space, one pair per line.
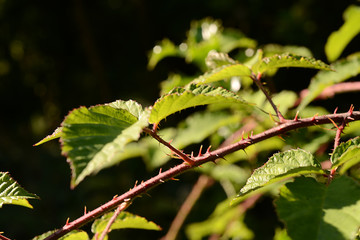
288,60
54,135
191,96
94,138
224,72
346,154
338,40
281,166
344,69
311,210
12,193
123,220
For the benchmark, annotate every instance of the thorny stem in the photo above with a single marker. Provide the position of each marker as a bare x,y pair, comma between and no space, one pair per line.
339,130
120,208
200,185
179,153
4,238
203,182
211,156
257,81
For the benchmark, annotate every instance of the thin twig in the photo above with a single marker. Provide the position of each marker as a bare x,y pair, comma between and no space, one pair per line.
186,207
331,91
257,81
211,156
121,208
203,182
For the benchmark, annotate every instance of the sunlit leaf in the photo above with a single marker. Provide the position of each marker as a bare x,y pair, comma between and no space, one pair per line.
54,135
73,235
224,72
192,96
289,60
271,49
12,193
280,166
338,40
314,211
346,154
344,69
122,221
94,138
217,59
164,49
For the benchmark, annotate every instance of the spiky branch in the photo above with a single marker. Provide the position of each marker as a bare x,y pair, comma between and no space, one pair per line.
199,160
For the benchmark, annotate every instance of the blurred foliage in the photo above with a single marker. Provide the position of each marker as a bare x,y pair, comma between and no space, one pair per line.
54,57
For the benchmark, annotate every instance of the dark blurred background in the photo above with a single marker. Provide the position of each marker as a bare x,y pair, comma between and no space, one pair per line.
59,55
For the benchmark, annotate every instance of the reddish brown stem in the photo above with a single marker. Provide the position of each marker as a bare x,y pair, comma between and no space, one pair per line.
120,208
4,238
186,207
179,153
330,91
211,156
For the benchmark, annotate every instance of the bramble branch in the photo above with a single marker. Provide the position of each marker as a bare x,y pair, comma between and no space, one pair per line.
197,161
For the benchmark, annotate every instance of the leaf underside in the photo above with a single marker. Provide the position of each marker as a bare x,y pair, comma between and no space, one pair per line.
12,193
94,138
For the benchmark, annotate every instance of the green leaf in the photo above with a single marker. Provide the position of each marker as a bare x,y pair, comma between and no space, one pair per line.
123,220
271,49
281,166
12,193
73,235
314,211
346,154
288,60
225,221
94,138
338,40
56,134
344,69
217,59
164,49
224,72
191,96
201,125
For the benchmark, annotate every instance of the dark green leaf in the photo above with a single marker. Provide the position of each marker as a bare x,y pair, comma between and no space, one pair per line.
314,211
